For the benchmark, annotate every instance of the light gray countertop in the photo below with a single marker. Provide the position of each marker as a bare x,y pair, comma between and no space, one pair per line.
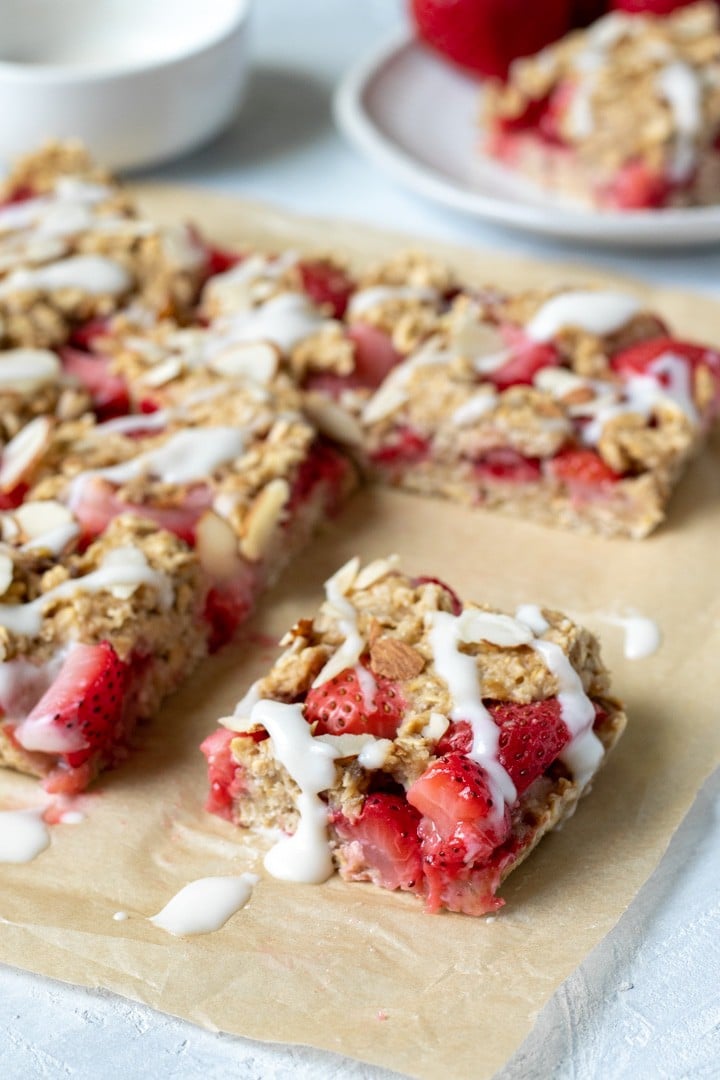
645,1003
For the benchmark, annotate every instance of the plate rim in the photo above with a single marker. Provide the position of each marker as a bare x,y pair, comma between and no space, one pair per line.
690,226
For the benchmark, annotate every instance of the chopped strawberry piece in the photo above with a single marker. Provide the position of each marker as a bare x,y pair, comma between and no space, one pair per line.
585,468
485,36
452,790
20,194
324,465
385,846
226,607
531,738
507,465
82,711
327,285
649,7
528,358
84,336
404,447
340,707
109,392
224,773
375,354
456,601
99,503
12,498
636,359
541,116
220,260
637,187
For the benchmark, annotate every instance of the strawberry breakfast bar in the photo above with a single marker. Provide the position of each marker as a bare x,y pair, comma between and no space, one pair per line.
409,740
575,408
624,115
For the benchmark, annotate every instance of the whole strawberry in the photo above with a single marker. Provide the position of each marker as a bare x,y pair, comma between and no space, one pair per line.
485,36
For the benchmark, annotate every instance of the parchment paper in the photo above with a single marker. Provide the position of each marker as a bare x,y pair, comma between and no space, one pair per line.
349,968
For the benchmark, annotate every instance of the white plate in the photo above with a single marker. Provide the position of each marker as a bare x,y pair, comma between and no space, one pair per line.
416,117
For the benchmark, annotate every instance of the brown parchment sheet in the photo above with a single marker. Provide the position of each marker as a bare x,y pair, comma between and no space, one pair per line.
321,964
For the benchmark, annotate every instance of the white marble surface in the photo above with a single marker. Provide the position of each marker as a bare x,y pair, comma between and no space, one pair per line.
645,1003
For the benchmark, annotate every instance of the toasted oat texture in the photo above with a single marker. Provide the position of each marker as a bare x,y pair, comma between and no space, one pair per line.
397,631
73,247
632,92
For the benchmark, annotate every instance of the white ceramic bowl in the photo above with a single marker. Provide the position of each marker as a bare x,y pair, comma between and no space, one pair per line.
138,81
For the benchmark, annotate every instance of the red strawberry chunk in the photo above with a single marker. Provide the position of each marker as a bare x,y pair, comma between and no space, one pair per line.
507,465
528,358
375,354
577,467
383,844
226,607
339,707
456,601
224,772
82,711
109,392
84,336
637,187
404,447
327,284
649,7
452,791
99,503
636,359
531,737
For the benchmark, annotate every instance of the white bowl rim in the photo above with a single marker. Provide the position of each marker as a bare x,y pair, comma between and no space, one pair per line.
66,74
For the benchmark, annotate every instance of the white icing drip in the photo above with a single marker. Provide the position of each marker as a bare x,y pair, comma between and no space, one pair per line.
237,286
460,673
72,817
374,754
120,916
23,683
584,752
246,704
642,634
23,369
304,856
681,88
666,382
365,299
595,312
93,274
122,568
532,616
474,409
23,835
436,727
353,644
204,905
190,455
283,320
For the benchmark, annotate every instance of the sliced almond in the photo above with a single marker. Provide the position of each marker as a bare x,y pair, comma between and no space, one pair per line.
21,370
264,518
23,452
476,626
395,659
375,571
472,338
334,421
6,572
255,360
37,518
343,579
217,545
164,372
387,400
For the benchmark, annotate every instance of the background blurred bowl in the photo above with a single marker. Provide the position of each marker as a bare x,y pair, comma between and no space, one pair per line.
138,81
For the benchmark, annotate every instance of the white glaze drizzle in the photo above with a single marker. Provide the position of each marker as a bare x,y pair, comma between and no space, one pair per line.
95,275
304,856
584,752
681,88
23,683
642,635
365,299
190,455
353,644
23,835
532,616
284,320
55,540
122,568
205,905
375,753
474,408
596,312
